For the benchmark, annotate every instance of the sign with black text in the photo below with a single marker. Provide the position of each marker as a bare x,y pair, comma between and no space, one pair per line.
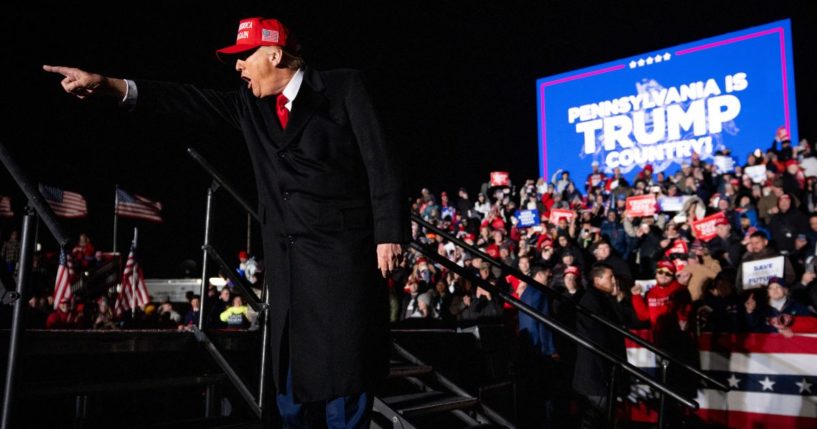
757,273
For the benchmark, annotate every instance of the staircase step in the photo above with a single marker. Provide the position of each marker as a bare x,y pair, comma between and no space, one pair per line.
417,404
399,371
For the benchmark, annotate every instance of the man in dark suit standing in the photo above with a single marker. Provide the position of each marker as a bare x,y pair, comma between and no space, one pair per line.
592,374
330,199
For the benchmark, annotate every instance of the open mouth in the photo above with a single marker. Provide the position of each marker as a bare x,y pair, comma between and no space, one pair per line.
248,80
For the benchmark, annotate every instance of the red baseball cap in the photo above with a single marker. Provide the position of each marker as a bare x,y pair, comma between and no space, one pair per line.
572,270
668,265
255,32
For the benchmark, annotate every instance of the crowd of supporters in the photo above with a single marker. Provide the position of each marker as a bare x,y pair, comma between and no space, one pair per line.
668,278
703,279
225,310
94,286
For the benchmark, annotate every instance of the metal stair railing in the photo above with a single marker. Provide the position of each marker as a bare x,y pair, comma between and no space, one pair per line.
259,305
662,354
36,203
565,331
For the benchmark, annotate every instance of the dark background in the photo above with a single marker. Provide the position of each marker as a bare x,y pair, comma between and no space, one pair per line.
454,84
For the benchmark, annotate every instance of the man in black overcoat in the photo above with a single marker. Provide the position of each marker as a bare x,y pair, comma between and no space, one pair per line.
593,373
330,202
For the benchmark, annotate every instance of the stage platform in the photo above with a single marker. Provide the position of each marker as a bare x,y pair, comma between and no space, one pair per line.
164,378
129,378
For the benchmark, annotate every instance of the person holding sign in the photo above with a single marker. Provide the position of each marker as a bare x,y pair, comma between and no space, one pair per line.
595,177
725,243
758,249
666,306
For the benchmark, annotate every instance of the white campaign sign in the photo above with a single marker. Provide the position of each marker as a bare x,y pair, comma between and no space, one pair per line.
646,285
757,273
672,204
809,167
756,172
724,164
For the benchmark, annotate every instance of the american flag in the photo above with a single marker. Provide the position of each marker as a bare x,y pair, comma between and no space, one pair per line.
137,207
65,277
772,380
129,294
64,203
5,207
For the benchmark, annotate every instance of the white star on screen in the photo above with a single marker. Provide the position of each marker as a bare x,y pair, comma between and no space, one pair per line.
658,59
804,386
649,60
641,62
733,381
767,384
667,56
633,64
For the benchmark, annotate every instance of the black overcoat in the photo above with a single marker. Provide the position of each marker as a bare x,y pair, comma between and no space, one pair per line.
329,190
592,372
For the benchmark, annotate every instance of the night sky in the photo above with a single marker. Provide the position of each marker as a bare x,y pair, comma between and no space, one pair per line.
453,83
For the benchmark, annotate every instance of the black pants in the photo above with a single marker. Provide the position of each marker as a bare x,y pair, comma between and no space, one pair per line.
594,412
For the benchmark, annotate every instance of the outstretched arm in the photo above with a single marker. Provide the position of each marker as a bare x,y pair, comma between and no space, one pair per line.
188,103
82,84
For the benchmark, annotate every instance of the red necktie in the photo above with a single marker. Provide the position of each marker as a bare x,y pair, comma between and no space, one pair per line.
281,109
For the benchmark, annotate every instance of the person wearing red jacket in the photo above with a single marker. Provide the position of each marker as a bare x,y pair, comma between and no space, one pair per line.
62,318
667,305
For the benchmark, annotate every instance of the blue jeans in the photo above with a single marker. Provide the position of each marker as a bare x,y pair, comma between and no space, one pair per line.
341,413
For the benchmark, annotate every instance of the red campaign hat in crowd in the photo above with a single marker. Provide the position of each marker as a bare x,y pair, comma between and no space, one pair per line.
243,255
784,196
668,265
721,221
572,270
498,224
492,251
792,162
255,32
